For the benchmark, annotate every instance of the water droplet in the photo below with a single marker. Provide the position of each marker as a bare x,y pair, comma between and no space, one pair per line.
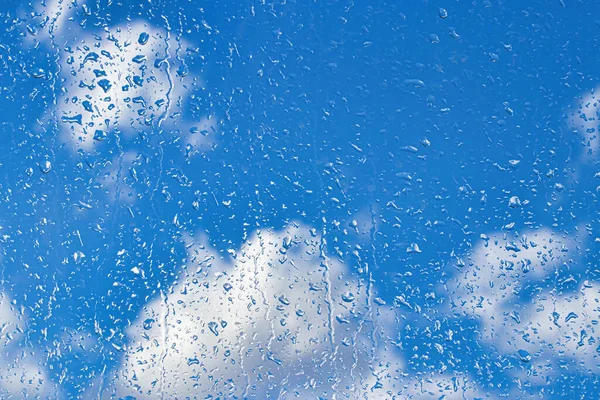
46,166
148,324
571,316
379,301
76,119
413,248
453,33
143,38
415,83
524,356
138,80
90,57
99,135
214,328
105,84
139,59
443,13
287,242
182,71
38,73
348,297
283,300
514,202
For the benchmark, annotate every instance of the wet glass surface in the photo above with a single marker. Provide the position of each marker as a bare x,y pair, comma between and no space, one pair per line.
285,199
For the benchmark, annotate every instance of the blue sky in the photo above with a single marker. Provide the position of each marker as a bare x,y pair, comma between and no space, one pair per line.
250,199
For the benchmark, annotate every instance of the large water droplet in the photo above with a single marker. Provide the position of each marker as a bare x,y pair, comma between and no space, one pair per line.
143,39
524,356
105,84
46,166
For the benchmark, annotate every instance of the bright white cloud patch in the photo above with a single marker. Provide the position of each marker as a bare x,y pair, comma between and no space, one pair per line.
119,81
566,324
497,277
129,78
273,321
21,374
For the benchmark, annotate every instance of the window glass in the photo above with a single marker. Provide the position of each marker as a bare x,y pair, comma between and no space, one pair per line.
299,199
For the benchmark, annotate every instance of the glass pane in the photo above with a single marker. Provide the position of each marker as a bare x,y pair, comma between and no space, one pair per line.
286,199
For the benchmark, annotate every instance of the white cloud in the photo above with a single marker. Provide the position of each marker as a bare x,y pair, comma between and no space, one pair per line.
119,81
563,326
550,325
260,324
21,373
131,78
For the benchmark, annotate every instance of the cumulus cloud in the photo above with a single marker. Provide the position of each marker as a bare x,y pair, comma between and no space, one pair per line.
537,327
562,325
121,80
21,374
277,319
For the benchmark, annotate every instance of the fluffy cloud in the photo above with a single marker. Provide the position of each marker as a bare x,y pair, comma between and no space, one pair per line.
551,324
121,80
278,319
21,375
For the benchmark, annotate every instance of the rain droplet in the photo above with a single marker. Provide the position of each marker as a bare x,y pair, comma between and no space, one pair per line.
143,39
571,316
348,297
214,328
415,83
148,324
413,248
524,356
46,167
443,13
139,59
76,119
284,300
99,135
90,57
514,202
104,84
